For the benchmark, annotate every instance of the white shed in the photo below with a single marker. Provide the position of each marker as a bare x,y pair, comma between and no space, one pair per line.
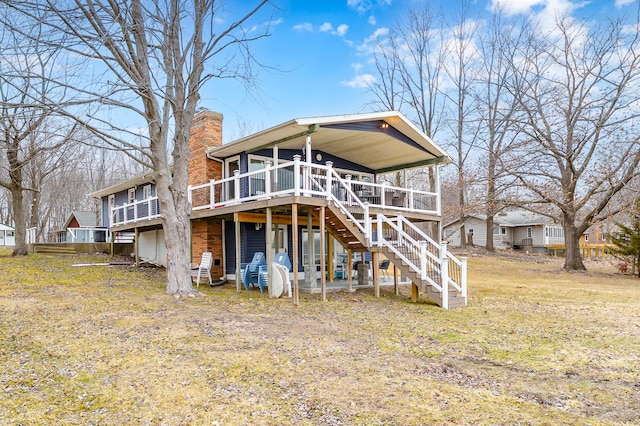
7,235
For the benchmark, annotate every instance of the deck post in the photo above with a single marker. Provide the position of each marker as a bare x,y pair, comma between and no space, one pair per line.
311,256
395,280
269,249
437,185
275,163
444,274
236,219
212,194
267,178
463,277
323,280
415,293
296,175
236,185
376,273
294,237
349,270
330,265
329,177
136,235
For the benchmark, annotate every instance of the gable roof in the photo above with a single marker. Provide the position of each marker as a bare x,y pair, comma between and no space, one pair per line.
85,219
381,141
511,219
4,227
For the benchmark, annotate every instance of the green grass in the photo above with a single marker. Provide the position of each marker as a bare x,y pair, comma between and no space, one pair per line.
105,345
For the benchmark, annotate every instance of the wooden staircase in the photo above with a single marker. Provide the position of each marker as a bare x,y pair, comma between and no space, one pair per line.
428,265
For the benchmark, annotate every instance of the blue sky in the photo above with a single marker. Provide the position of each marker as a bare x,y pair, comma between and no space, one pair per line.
322,49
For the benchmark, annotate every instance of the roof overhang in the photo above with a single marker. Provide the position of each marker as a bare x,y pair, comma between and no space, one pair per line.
382,141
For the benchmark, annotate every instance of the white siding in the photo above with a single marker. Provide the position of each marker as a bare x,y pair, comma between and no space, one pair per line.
151,247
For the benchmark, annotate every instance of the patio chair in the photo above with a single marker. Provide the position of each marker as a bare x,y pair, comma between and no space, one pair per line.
251,271
384,267
204,269
281,259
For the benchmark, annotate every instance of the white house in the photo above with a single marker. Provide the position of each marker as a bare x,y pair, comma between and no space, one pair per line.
518,229
7,235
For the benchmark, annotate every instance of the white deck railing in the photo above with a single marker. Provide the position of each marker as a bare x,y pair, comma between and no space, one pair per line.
297,178
430,260
310,180
133,212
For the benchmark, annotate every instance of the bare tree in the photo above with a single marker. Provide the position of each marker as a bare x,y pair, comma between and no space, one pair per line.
409,66
155,58
497,108
579,87
27,128
461,68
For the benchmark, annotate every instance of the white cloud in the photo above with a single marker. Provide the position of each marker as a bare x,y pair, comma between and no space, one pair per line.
356,67
621,3
362,81
514,7
364,5
326,27
303,27
372,20
341,30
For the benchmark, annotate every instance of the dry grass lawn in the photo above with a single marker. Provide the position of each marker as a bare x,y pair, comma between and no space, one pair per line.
104,345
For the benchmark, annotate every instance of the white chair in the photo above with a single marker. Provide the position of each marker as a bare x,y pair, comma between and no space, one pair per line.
204,269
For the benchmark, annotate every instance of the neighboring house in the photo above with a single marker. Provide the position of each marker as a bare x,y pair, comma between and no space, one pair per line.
523,230
7,235
81,227
306,181
518,229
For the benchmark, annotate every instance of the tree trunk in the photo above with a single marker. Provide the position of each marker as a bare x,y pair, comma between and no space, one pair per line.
20,222
573,258
489,244
176,226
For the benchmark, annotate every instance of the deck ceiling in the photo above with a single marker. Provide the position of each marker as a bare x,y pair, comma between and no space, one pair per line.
382,142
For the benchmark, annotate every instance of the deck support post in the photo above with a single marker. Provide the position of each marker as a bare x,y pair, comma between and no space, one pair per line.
236,219
269,246
376,273
311,256
323,280
414,292
349,270
136,238
395,280
294,237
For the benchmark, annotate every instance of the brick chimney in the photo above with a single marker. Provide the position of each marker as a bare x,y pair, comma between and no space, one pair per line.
206,233
206,131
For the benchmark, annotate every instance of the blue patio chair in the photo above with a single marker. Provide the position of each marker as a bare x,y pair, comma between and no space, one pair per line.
283,259
263,271
251,271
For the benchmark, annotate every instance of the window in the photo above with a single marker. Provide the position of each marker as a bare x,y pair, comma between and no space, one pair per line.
496,230
132,195
470,231
503,231
529,232
146,192
586,237
546,231
448,233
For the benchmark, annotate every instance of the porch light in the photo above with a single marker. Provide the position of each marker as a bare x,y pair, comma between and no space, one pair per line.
384,125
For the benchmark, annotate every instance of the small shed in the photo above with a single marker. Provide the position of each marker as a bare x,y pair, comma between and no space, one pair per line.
81,227
7,235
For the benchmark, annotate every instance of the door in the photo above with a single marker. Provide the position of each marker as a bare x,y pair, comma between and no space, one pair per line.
232,165
280,239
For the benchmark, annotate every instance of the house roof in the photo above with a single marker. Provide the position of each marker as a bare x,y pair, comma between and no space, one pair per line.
4,227
381,141
123,185
85,219
511,219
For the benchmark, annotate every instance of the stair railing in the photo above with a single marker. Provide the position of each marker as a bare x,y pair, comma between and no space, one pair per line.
411,251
